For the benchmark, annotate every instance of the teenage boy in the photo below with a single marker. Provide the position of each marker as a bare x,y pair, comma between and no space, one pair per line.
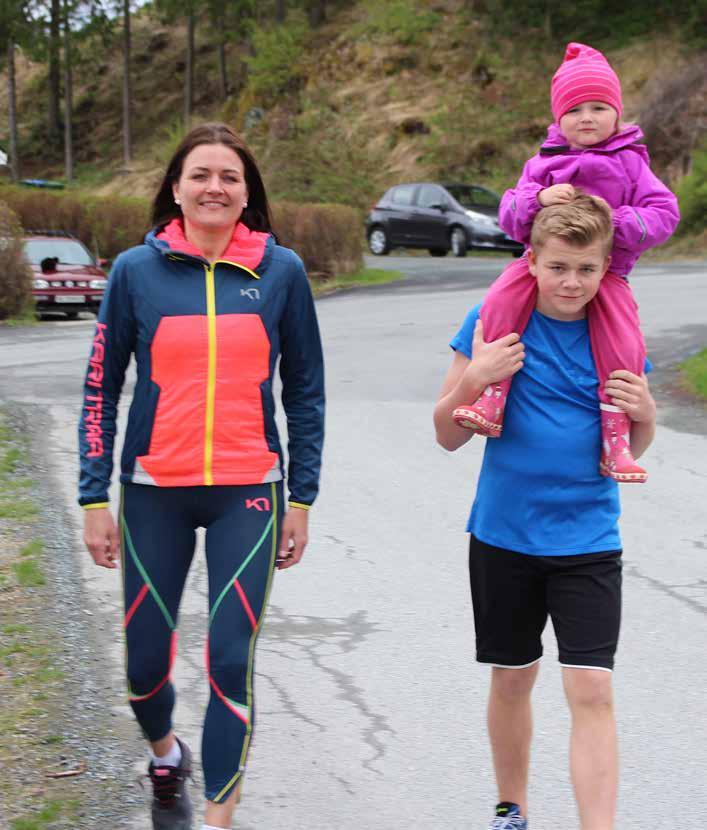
544,535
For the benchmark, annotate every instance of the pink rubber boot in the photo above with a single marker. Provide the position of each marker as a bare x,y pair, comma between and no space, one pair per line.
617,462
486,415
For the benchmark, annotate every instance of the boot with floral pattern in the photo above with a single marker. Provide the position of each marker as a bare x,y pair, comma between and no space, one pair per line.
617,462
486,415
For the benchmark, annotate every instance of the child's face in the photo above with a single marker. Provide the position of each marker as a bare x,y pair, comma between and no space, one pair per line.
568,276
589,123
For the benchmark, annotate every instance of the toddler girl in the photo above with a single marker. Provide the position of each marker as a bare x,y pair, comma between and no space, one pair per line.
587,147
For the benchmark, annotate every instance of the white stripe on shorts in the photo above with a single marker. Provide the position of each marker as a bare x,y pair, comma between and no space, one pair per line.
525,666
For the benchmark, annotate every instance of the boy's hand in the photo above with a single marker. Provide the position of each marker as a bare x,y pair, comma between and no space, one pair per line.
495,361
558,194
631,394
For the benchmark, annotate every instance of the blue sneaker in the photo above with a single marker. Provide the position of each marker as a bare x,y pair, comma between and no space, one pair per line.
508,817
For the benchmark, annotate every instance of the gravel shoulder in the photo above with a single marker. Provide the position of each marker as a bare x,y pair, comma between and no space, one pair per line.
66,751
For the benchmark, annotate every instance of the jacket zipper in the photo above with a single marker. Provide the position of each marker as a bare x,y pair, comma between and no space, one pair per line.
211,371
211,375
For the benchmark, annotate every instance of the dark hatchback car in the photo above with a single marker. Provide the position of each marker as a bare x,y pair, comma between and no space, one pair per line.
441,218
67,278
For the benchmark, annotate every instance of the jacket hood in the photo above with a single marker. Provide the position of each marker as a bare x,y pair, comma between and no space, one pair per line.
247,248
628,137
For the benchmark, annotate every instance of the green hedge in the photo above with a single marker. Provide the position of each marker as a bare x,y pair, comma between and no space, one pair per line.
329,238
107,225
15,272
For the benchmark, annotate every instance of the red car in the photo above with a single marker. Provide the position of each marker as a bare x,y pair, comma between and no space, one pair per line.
66,276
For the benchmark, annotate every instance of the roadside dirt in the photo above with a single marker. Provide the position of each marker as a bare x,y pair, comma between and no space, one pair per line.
66,755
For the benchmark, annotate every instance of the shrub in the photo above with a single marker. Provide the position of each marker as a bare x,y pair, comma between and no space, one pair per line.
327,237
274,68
692,195
15,272
401,20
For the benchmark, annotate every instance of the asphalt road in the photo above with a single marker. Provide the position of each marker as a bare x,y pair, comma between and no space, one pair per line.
371,707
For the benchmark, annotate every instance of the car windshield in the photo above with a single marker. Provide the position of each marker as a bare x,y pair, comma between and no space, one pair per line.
471,197
67,251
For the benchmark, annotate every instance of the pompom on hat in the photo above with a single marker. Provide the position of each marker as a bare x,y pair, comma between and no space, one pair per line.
584,75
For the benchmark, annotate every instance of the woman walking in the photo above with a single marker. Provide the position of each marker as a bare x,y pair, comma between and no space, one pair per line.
206,306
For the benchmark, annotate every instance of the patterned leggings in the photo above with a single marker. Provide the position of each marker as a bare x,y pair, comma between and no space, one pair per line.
157,541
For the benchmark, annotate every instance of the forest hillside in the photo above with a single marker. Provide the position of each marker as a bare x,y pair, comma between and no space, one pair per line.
342,99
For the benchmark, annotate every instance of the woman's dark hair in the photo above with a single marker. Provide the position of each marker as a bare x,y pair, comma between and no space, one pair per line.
256,216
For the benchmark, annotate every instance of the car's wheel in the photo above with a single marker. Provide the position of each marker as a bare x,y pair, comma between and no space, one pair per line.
438,251
378,242
458,242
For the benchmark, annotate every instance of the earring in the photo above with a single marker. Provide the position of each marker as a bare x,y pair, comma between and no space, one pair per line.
177,201
245,205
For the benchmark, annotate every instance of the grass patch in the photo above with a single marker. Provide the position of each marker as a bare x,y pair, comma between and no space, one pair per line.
29,573
20,509
694,373
33,548
51,811
28,317
10,460
363,277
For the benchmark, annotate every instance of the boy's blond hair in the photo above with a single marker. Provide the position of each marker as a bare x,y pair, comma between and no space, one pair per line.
584,220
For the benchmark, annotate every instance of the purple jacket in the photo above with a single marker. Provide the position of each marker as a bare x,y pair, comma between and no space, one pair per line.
645,211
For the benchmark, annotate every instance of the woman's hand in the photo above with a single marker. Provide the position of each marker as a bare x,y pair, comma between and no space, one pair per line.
497,360
631,394
293,538
100,533
558,194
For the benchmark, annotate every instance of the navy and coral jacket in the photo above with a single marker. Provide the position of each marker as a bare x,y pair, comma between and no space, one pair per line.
206,339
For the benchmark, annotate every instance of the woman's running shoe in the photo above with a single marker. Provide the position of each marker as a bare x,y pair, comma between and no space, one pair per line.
171,805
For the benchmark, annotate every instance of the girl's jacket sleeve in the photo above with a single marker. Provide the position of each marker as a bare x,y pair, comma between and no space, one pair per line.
519,205
302,373
110,354
652,213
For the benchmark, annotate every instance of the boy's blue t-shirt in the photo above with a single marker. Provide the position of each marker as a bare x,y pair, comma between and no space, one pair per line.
540,491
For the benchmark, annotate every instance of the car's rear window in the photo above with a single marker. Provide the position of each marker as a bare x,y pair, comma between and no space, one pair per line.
403,195
67,251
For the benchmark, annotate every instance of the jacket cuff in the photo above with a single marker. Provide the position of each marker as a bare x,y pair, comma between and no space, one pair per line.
299,505
94,505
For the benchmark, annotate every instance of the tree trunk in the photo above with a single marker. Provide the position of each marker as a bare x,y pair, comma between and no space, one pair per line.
54,71
279,11
222,68
548,20
317,12
68,103
189,70
127,90
12,111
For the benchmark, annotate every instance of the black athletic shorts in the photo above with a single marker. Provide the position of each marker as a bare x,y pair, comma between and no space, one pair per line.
513,593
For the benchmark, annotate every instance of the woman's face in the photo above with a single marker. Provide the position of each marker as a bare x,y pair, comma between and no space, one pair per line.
212,189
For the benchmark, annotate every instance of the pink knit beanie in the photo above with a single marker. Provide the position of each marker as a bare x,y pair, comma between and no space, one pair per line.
584,75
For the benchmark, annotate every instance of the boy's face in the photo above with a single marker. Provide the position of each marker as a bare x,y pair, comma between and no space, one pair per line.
588,124
568,276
